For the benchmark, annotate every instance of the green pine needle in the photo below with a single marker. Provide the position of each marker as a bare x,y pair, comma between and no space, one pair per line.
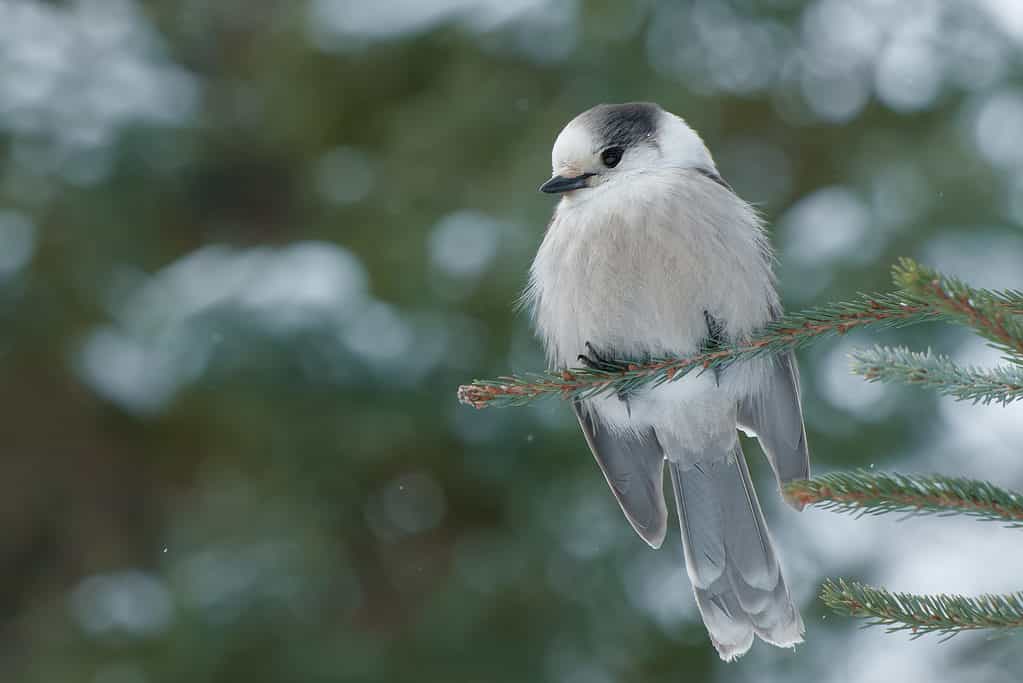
885,364
922,614
875,493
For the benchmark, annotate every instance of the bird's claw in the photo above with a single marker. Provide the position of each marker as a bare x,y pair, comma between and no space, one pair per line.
715,339
596,361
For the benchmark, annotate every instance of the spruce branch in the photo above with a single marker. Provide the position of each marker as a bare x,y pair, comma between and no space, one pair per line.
993,315
923,614
925,296
876,493
790,332
886,364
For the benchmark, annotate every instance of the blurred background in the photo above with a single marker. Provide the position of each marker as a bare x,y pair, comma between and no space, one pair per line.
248,250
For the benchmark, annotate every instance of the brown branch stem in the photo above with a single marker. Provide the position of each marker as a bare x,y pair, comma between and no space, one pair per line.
993,325
860,499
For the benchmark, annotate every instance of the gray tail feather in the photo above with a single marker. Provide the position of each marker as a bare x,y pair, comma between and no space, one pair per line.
730,559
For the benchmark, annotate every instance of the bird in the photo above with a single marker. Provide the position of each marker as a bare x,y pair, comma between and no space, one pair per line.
650,254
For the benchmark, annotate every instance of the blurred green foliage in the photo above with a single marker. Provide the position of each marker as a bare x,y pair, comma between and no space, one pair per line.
249,249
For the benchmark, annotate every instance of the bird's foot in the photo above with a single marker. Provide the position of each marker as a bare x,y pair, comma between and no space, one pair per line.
714,340
596,361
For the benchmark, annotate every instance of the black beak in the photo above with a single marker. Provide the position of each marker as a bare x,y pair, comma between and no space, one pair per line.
559,184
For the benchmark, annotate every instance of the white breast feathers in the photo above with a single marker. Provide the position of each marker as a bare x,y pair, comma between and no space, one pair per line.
631,269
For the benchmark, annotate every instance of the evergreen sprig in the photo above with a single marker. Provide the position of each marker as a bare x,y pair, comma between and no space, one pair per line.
789,332
924,296
923,614
875,493
993,315
886,364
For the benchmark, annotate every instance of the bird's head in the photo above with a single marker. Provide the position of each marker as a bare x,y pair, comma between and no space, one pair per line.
612,143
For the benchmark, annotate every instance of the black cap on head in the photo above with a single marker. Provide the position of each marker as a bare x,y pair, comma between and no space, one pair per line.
625,124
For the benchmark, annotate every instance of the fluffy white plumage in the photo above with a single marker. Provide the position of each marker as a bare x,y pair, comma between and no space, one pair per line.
636,263
631,264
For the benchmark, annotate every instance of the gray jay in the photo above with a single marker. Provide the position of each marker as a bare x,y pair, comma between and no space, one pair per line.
649,254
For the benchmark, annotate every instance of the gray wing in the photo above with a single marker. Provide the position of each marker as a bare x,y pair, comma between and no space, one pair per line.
775,415
634,468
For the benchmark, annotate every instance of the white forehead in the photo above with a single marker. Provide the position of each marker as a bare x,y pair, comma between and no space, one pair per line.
574,145
677,143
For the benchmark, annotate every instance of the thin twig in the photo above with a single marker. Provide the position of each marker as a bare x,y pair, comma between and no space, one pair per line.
790,332
885,364
923,614
875,493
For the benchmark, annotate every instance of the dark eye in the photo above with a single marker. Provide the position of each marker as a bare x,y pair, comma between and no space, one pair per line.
611,156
